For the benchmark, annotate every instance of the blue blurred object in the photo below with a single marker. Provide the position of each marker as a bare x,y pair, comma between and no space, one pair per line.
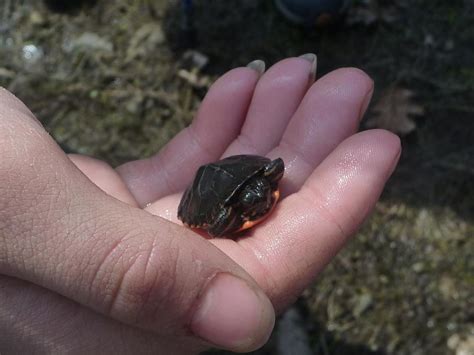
187,24
187,5
312,12
188,13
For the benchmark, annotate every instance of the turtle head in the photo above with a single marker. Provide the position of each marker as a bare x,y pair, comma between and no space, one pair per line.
256,198
260,193
274,171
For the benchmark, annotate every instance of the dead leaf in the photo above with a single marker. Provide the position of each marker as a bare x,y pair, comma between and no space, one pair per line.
194,79
393,111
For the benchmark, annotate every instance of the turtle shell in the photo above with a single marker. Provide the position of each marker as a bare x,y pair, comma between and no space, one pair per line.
215,185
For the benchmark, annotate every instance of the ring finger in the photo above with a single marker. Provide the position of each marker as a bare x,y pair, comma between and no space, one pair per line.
329,113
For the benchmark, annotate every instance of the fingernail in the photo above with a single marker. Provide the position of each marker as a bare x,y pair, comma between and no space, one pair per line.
396,158
366,102
233,315
313,59
257,65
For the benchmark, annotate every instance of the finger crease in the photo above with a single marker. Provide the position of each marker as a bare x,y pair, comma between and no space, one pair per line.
104,263
297,152
245,141
266,280
198,143
158,167
325,212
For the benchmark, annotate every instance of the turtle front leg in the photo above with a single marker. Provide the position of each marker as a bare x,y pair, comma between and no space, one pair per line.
227,222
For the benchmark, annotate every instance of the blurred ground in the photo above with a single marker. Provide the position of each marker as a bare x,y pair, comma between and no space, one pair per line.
109,80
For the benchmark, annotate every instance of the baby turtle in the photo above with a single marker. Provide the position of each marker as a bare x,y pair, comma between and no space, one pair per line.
231,194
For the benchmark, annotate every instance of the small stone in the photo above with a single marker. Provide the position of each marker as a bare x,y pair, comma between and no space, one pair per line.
418,267
32,53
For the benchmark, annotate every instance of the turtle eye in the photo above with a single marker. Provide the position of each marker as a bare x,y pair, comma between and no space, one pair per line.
255,193
249,197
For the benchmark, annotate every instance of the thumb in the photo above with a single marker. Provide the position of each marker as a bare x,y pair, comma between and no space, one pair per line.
60,231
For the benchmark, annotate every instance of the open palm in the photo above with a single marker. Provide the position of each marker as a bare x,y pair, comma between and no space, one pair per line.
332,180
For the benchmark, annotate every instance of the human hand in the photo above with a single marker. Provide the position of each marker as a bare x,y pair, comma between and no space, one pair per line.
131,282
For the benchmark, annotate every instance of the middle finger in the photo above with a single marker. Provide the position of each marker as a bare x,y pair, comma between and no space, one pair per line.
275,100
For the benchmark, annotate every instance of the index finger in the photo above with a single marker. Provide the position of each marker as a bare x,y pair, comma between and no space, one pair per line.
217,123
